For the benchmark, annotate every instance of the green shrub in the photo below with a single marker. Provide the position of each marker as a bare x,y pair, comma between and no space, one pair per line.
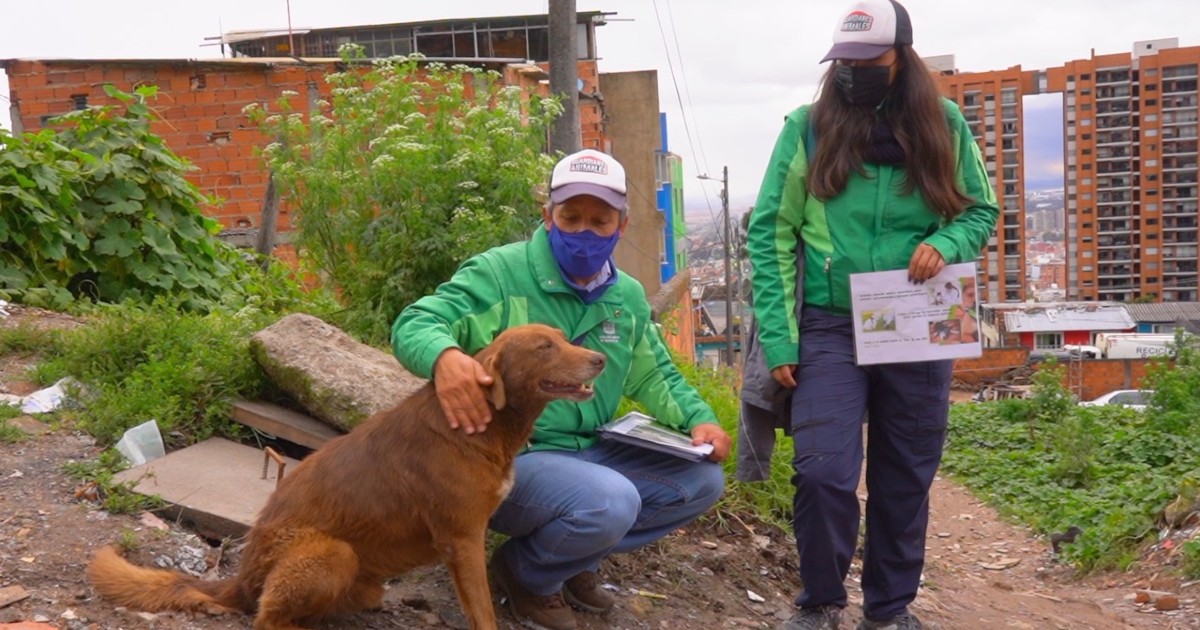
180,368
98,207
407,171
1110,471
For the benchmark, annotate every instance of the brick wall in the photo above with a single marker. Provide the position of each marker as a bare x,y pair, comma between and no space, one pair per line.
1098,376
201,103
991,366
671,307
1101,376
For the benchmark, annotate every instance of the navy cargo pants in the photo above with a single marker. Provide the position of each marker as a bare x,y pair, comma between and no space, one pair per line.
907,406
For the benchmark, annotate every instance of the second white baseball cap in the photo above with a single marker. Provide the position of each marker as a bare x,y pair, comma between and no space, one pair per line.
589,172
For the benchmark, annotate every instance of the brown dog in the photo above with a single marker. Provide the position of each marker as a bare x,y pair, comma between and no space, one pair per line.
399,491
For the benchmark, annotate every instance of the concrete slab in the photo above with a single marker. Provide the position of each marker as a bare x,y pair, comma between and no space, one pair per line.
215,486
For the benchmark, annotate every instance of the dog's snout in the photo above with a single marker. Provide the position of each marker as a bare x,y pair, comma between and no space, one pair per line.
597,360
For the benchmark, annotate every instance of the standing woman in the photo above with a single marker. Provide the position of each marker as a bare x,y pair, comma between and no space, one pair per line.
879,173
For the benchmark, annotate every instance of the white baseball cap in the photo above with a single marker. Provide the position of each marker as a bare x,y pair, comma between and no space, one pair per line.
869,28
589,172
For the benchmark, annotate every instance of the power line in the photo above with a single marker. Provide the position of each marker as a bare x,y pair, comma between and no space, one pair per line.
682,111
686,86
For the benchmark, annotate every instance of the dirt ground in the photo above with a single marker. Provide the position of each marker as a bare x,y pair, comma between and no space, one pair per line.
981,572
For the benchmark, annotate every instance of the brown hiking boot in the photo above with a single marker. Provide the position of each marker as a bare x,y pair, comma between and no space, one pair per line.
585,593
546,612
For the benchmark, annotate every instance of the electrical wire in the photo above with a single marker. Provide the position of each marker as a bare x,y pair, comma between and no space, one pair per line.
683,114
686,86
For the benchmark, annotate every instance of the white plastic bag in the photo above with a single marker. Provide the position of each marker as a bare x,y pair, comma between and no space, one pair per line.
142,443
46,400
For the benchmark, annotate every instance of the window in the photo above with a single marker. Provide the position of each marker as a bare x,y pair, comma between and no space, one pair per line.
1047,341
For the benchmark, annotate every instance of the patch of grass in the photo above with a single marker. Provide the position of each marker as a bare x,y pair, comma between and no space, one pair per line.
10,434
1191,559
128,540
1107,470
117,498
26,339
769,501
182,369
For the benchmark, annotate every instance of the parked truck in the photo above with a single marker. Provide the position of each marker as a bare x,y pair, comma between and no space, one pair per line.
1135,345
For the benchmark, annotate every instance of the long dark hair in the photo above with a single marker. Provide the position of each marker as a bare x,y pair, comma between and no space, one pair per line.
914,111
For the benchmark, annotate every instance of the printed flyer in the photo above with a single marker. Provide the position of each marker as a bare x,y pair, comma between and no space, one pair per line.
896,321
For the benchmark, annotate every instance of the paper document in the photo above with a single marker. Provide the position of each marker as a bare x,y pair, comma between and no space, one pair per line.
641,430
896,321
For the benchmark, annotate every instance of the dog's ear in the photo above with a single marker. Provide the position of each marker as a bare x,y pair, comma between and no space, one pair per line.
495,393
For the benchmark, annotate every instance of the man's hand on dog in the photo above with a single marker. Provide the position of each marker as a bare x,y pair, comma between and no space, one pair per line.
712,434
459,380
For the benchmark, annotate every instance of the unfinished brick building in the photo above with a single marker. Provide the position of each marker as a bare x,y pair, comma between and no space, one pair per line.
200,102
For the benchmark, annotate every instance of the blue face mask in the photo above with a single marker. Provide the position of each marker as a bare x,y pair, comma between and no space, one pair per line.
581,254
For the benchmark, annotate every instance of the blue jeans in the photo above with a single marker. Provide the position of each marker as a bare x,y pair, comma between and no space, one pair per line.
568,510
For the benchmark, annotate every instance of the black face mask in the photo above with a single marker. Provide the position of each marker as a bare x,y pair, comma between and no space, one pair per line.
863,85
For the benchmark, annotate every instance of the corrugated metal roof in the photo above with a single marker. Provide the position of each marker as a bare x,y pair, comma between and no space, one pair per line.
1061,317
233,37
1165,312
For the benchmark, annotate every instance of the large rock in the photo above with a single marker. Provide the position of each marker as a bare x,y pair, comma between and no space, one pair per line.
337,379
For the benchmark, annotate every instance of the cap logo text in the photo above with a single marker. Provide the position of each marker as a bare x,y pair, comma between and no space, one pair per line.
589,165
857,22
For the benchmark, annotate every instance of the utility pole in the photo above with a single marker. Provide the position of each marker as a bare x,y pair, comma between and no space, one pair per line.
564,76
728,245
741,283
728,270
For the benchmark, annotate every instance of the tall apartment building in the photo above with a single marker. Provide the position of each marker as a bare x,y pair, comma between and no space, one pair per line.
1131,171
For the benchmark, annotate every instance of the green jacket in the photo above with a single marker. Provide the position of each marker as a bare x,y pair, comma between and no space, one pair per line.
521,283
871,226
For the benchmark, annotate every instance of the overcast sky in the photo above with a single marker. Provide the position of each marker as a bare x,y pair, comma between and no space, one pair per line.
742,66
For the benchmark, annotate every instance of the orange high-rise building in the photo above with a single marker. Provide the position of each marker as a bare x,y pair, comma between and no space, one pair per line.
1130,162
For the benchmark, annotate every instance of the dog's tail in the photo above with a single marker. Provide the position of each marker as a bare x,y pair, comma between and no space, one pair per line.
156,590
